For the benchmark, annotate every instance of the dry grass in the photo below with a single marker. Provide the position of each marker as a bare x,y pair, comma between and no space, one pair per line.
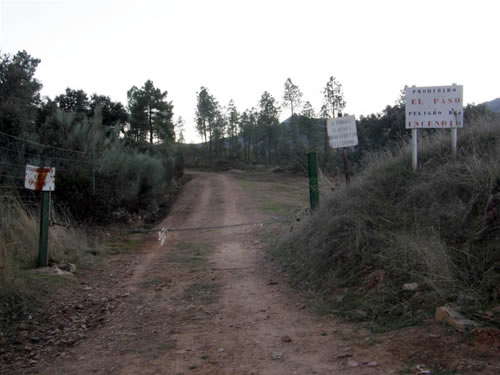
276,194
437,227
19,235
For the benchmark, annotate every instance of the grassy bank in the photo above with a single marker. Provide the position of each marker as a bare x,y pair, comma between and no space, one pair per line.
437,227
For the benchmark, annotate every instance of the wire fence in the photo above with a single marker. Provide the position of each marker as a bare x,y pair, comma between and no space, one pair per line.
24,140
12,164
16,150
41,156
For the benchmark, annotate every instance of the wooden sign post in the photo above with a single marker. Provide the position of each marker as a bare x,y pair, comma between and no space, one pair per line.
42,179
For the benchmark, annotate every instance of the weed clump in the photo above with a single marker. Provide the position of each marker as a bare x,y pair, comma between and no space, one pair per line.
20,290
437,227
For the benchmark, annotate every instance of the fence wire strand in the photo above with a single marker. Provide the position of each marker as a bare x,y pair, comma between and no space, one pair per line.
42,144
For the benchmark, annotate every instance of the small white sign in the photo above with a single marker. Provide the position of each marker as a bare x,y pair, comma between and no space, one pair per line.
434,107
342,132
40,178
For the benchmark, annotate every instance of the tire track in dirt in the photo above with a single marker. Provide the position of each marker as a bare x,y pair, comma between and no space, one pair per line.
187,212
252,327
259,317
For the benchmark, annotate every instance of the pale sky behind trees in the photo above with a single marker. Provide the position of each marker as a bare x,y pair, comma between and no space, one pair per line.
239,49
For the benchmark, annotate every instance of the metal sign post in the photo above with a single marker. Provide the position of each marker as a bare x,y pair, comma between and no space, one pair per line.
454,141
43,246
42,179
414,148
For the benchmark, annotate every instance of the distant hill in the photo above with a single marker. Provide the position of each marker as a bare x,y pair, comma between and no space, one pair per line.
493,105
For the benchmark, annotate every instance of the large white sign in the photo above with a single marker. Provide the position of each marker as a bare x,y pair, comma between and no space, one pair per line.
434,107
342,132
40,178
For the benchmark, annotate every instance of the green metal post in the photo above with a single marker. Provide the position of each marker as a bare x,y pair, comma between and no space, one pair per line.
44,230
312,162
93,172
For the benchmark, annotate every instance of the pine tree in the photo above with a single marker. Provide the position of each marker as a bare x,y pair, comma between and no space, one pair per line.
150,114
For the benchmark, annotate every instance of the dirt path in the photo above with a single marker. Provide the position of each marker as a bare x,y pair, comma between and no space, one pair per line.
225,314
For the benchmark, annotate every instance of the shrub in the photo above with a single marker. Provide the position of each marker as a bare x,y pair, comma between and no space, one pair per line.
97,172
437,226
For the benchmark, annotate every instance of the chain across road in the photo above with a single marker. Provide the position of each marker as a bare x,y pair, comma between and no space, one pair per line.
163,232
275,220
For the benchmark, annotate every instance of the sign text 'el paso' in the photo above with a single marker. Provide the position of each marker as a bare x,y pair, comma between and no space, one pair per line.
434,107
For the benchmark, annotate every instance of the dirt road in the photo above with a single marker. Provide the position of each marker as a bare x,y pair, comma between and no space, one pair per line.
208,303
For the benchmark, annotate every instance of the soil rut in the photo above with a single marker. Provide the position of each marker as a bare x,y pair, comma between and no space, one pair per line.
246,321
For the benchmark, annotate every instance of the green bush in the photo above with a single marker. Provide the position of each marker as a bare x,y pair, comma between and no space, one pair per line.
97,171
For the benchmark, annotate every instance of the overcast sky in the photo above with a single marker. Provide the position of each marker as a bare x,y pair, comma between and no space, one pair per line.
239,49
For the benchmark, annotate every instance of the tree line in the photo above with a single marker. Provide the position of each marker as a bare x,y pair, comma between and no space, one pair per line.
105,153
256,135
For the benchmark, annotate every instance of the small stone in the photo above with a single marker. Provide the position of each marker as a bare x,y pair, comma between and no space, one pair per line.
220,350
344,355
421,369
352,363
372,364
449,315
360,314
276,355
286,339
410,286
71,267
